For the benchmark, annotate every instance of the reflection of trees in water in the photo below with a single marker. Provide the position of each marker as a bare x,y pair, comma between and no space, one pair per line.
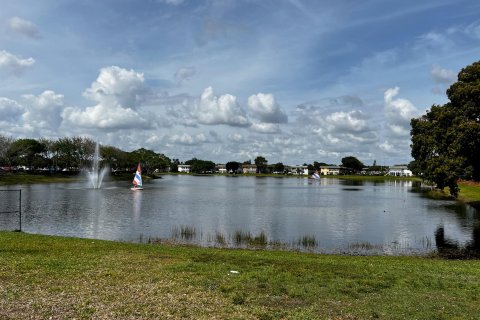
451,249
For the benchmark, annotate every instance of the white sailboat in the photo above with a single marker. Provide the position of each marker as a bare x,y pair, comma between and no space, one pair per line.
137,180
315,176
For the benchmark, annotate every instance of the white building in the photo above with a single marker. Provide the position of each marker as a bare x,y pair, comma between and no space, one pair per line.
399,171
300,170
184,168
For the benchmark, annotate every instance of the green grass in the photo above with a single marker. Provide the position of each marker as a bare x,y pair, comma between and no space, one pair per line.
64,278
25,178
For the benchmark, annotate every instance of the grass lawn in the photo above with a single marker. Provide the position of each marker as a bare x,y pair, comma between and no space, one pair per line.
65,278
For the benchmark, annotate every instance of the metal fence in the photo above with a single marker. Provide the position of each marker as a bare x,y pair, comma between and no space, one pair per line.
11,210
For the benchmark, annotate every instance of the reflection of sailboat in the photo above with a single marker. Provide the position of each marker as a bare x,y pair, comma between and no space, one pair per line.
137,181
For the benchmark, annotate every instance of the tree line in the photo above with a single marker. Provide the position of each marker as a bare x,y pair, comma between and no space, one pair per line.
74,154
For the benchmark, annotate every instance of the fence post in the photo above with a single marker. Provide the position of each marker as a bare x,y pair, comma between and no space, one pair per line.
20,210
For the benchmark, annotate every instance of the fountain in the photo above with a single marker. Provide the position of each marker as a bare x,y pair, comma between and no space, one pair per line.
96,175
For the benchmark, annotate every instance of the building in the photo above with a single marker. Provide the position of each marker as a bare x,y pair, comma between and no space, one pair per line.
184,168
221,168
249,168
299,170
400,171
330,170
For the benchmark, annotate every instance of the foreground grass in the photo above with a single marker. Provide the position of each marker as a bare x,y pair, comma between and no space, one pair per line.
43,277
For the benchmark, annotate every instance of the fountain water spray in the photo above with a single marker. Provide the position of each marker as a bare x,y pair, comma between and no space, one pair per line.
96,175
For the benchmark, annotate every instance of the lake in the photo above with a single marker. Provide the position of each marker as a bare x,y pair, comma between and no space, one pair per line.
330,215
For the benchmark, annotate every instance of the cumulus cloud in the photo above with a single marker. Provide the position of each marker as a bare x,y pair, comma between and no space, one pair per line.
23,27
354,121
117,86
398,112
14,64
213,110
264,107
44,111
10,110
118,93
443,76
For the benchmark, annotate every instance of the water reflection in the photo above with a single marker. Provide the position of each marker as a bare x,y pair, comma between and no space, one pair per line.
340,215
450,248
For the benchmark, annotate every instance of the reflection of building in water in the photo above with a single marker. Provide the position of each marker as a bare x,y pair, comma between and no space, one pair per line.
399,171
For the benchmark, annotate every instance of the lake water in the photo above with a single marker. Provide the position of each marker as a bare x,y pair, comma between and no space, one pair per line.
332,215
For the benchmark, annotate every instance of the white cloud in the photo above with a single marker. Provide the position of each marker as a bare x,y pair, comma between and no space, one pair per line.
264,127
118,92
14,64
264,107
444,76
117,86
187,139
213,110
10,110
44,111
24,27
398,112
352,121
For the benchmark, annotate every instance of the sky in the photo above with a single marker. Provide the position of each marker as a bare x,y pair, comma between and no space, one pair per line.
294,81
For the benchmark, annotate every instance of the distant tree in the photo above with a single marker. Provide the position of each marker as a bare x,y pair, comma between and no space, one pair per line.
27,152
201,166
278,167
149,159
232,166
247,162
5,143
352,164
446,140
114,157
261,164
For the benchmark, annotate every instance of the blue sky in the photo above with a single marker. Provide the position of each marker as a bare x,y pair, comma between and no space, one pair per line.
294,81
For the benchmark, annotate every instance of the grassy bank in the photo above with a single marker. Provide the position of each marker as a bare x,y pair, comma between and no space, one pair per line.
27,178
42,277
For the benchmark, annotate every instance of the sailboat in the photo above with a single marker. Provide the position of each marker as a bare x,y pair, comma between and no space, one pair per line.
315,176
137,180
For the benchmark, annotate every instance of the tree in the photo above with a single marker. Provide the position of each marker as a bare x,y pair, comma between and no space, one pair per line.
352,164
27,152
278,167
261,164
201,166
232,166
5,143
446,140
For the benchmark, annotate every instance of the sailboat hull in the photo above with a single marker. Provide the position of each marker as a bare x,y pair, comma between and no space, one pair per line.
136,188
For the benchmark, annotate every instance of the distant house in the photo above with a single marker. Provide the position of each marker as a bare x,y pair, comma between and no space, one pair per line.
300,170
221,168
400,171
184,168
330,170
249,168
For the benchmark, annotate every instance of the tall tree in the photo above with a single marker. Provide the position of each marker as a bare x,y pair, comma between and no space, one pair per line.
352,164
446,140
261,164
